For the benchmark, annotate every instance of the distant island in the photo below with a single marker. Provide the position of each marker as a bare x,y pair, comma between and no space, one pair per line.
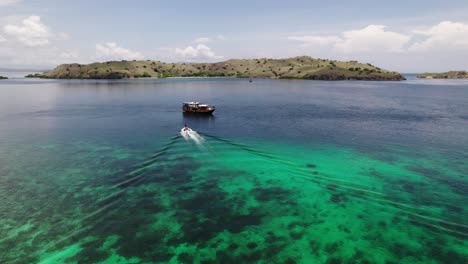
3,78
291,68
445,75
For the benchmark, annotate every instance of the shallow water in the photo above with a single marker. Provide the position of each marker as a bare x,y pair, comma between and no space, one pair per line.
283,172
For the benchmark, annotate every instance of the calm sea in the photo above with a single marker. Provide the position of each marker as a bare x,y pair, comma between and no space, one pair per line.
284,171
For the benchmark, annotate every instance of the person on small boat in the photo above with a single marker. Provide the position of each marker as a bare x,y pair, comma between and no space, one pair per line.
186,128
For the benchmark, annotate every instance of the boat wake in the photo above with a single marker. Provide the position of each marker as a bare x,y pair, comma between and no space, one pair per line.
189,134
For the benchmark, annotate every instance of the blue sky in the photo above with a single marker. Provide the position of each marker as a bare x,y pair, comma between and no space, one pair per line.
408,36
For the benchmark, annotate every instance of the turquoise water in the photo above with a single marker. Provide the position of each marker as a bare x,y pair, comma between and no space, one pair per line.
287,172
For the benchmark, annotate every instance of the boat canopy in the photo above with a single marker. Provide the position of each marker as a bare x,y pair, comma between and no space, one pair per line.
191,103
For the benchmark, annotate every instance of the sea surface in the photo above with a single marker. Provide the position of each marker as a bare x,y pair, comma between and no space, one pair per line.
285,171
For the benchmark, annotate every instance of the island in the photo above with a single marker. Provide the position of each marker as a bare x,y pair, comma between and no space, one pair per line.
303,67
445,75
3,78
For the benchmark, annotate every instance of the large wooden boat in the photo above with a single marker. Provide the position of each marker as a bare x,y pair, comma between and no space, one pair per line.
196,107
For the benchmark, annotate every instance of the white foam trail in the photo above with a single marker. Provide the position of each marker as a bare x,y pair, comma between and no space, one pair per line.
196,137
192,135
185,135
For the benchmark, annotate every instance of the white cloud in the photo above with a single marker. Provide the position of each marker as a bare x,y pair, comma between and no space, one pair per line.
200,52
27,42
32,32
62,36
8,2
112,51
373,38
202,40
439,47
446,35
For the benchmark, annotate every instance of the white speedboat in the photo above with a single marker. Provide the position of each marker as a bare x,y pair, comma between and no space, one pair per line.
189,134
184,132
186,129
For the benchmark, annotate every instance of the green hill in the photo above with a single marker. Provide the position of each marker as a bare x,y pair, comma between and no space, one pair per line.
3,78
291,68
445,75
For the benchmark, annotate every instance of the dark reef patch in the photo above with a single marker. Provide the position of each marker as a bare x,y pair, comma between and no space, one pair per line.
359,254
310,165
289,261
253,257
146,246
274,194
377,174
458,186
185,258
338,198
294,225
252,245
409,187
208,210
296,230
90,253
201,201
450,256
454,209
344,228
225,257
314,246
401,251
226,174
296,234
333,247
233,246
334,260
421,192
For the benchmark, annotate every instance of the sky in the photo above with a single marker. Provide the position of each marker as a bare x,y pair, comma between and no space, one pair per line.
409,36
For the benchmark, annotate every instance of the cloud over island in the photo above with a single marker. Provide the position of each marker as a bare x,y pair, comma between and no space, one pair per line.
376,38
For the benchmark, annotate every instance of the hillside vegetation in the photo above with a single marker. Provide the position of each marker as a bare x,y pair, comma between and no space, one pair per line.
291,68
3,78
445,75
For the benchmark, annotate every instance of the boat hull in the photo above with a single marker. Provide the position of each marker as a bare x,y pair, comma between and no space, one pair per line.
198,111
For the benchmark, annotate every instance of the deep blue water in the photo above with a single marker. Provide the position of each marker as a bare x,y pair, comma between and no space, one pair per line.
429,113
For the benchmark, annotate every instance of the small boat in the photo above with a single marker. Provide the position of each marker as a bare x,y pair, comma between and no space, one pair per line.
196,107
185,132
189,134
185,129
